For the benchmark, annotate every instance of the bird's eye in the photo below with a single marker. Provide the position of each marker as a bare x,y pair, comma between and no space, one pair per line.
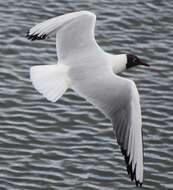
135,60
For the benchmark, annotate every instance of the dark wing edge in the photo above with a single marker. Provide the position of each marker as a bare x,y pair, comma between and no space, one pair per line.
44,29
129,167
33,37
128,132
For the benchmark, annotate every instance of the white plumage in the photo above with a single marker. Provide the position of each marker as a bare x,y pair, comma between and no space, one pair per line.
86,68
45,80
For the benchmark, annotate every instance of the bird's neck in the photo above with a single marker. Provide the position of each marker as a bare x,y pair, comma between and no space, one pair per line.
118,62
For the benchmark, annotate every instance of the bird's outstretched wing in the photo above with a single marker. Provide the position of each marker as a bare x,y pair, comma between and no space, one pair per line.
127,127
118,99
74,31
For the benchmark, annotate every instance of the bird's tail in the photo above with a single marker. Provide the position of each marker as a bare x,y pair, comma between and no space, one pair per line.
50,80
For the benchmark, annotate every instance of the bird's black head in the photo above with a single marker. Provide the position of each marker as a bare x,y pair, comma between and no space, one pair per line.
133,60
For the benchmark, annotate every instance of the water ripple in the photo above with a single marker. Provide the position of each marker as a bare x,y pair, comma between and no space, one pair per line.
70,145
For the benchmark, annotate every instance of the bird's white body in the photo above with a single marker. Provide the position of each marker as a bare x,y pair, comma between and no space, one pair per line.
87,69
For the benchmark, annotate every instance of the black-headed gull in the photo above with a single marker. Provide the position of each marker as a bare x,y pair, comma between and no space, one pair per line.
90,71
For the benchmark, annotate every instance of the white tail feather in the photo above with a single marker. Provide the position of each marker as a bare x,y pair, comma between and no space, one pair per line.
50,80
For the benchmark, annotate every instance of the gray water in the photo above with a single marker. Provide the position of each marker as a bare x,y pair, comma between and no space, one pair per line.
69,145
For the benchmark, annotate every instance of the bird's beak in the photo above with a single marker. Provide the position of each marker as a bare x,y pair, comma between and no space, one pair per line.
145,64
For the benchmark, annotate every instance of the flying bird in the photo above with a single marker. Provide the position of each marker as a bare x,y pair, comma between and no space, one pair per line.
92,73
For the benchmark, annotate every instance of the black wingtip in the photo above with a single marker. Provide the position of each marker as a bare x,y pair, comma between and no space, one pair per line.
138,183
33,37
129,168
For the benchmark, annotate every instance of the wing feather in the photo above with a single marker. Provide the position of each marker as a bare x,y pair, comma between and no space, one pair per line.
119,101
74,32
129,135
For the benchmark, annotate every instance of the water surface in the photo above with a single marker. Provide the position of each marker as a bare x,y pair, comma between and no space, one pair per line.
69,145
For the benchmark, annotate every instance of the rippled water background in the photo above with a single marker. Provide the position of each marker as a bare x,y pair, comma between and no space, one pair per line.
69,145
